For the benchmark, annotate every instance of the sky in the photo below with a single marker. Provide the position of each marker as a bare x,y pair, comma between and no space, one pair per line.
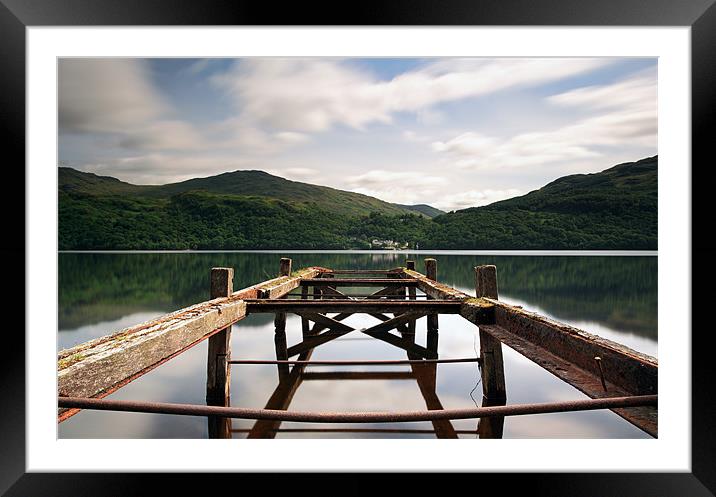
449,132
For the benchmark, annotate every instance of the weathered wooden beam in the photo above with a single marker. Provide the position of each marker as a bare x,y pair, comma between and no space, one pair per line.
569,353
626,368
644,418
355,306
280,286
100,366
432,288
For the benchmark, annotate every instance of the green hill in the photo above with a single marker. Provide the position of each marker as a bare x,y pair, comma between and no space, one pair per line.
252,183
615,209
426,210
632,185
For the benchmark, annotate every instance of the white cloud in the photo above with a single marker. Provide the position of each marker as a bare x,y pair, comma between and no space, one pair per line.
473,198
621,114
315,94
289,137
305,174
405,187
116,97
105,95
163,135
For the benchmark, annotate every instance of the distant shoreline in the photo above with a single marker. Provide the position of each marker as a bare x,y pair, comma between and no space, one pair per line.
626,253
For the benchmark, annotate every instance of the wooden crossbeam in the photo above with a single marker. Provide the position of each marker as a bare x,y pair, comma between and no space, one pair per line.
344,315
325,321
337,330
380,332
381,306
318,327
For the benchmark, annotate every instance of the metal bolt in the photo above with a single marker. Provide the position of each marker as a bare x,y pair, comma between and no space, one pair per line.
601,372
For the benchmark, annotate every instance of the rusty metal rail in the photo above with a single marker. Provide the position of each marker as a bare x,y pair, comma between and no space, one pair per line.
358,363
356,417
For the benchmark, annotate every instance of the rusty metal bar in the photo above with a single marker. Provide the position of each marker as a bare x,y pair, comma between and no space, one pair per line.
356,417
356,430
359,282
364,271
360,363
347,296
358,375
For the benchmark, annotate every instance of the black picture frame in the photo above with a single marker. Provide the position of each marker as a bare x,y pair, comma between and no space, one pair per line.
699,15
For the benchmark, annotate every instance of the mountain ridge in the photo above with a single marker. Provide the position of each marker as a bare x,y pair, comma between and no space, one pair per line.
240,182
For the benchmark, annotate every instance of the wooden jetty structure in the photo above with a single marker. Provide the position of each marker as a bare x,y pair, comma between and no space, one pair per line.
611,375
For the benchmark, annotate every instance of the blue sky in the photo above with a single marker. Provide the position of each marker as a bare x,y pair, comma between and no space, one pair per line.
450,132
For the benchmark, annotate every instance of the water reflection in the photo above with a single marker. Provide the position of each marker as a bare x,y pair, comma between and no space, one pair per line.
99,293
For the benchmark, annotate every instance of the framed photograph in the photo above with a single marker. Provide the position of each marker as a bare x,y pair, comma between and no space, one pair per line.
200,169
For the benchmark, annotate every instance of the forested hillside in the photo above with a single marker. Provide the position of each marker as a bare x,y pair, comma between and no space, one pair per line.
613,209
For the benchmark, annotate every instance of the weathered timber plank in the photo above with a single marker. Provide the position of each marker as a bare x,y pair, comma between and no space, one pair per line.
478,311
644,418
353,306
630,370
432,288
278,287
95,367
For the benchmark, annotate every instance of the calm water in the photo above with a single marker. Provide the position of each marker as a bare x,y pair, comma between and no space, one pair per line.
611,296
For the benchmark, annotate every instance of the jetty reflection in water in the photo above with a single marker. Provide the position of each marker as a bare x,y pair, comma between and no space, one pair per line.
100,293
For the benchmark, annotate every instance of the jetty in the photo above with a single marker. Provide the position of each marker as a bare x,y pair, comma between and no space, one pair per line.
611,375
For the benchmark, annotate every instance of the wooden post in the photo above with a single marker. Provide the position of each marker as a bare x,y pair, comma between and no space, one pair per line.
285,269
493,369
218,373
280,326
431,271
218,370
411,296
305,323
